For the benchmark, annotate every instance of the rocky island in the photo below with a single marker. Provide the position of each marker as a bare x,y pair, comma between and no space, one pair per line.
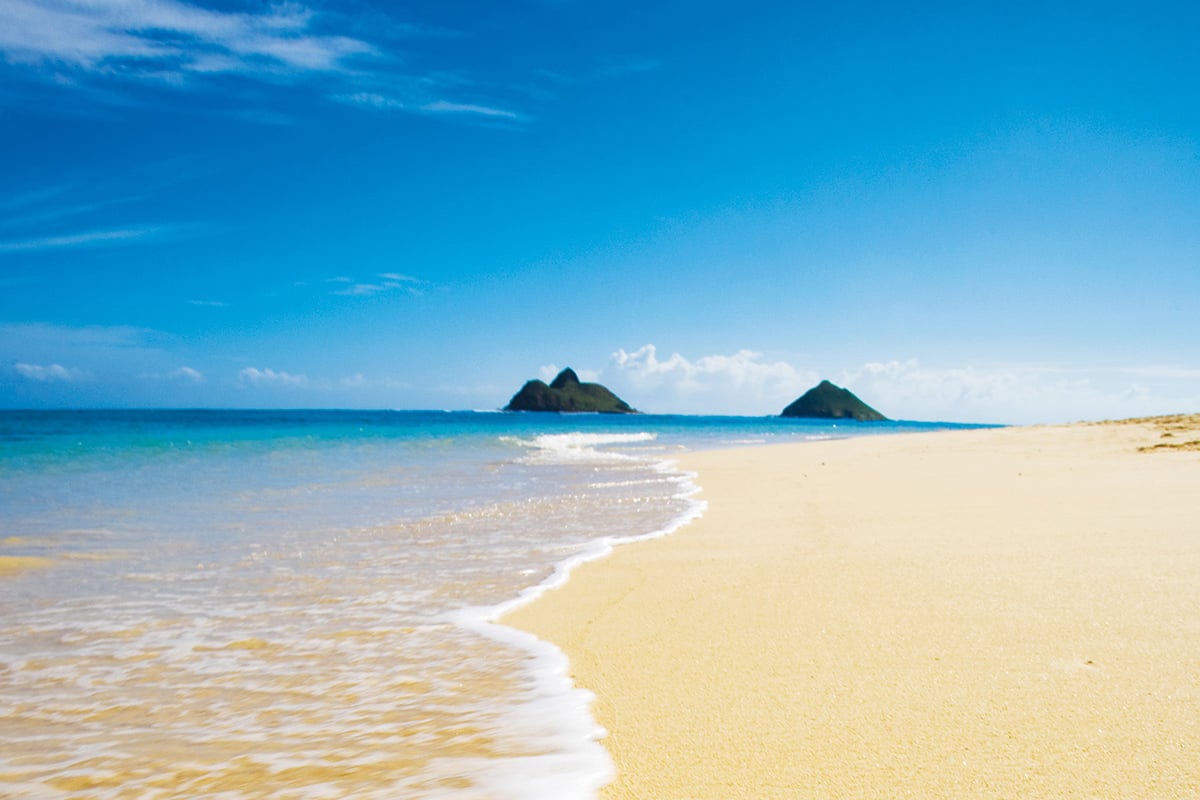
567,393
826,401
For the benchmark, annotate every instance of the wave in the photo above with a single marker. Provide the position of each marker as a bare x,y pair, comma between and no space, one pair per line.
578,447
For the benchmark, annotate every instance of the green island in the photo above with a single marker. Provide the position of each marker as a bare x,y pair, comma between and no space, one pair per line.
566,393
827,401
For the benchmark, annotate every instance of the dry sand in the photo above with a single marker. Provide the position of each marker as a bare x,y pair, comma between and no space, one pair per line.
985,614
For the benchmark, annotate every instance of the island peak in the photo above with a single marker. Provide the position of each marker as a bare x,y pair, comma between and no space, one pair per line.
566,393
827,401
565,378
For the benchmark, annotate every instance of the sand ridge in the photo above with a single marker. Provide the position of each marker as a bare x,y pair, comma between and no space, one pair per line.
987,614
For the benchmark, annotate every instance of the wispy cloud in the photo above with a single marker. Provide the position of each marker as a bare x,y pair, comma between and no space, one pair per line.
107,46
49,373
53,214
371,100
83,239
390,282
446,107
253,376
186,374
208,303
378,101
154,38
88,337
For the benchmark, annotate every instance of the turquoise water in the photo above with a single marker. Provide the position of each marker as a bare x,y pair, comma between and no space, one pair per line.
298,603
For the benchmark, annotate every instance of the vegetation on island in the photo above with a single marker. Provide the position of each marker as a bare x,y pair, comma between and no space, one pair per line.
826,401
568,394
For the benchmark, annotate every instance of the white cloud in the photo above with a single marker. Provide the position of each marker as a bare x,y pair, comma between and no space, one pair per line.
745,383
1164,371
391,282
740,383
445,107
50,373
180,44
208,303
83,239
1022,393
371,100
42,208
269,377
141,37
363,289
186,374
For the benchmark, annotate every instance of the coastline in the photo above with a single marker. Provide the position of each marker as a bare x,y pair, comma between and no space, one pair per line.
988,613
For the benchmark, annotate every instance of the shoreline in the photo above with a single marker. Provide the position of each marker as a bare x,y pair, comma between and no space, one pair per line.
988,613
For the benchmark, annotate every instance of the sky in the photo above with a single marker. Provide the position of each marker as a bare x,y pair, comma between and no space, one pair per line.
976,212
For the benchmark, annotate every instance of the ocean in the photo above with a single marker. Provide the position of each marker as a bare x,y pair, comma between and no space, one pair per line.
302,604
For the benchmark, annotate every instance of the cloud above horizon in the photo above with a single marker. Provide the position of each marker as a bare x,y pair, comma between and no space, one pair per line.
254,376
1019,393
49,373
186,374
745,383
740,382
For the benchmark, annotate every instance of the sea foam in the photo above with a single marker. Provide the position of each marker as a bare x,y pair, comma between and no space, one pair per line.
250,604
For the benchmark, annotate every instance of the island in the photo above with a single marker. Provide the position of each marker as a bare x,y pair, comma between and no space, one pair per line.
568,394
826,401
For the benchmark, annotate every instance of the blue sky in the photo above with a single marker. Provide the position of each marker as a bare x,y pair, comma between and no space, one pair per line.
962,211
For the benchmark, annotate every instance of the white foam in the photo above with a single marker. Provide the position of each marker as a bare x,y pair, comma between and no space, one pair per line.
582,766
336,598
579,447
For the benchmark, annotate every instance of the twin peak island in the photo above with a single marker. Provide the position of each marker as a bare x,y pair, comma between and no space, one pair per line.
566,393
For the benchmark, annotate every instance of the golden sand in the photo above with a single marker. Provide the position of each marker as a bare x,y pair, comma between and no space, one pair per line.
983,614
11,564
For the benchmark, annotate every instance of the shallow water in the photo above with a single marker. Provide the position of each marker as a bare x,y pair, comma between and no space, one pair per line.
298,604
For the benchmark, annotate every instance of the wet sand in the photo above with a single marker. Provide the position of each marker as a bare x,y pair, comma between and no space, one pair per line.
13,564
985,614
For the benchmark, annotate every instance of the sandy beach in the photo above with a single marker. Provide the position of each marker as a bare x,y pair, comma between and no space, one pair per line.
1006,613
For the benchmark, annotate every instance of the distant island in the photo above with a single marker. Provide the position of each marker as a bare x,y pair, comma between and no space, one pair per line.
567,393
826,401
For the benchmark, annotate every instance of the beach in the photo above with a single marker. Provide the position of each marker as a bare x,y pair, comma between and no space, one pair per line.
989,613
299,604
